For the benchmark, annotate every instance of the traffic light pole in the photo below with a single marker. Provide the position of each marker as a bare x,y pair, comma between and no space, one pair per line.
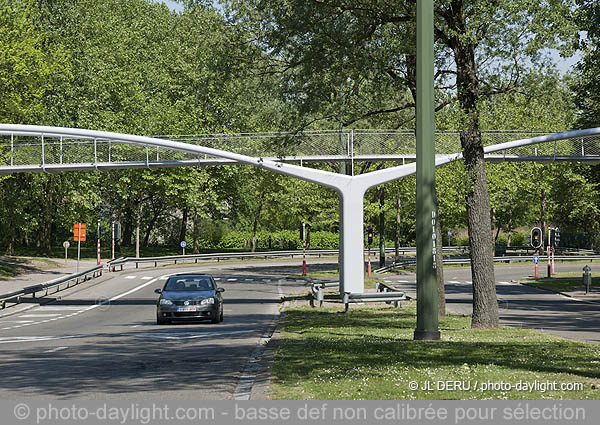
549,251
113,240
98,242
427,314
369,261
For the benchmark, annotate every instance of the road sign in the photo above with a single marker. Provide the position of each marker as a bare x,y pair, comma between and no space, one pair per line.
76,235
536,259
182,244
66,244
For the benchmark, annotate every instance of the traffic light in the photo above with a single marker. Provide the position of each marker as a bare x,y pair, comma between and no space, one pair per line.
117,230
536,237
555,237
370,234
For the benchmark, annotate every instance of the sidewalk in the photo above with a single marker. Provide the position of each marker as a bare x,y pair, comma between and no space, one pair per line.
36,272
592,296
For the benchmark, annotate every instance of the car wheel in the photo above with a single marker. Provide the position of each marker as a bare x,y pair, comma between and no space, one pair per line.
221,316
159,321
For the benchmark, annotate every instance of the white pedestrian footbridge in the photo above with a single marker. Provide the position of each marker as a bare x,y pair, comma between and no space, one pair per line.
29,148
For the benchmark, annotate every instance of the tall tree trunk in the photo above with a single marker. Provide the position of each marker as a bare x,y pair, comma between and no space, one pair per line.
439,260
150,228
398,225
543,219
256,220
183,228
381,227
485,303
196,232
137,231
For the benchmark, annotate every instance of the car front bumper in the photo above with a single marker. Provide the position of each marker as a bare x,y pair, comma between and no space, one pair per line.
200,312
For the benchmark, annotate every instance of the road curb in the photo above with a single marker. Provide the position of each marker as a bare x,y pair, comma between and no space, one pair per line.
247,380
553,291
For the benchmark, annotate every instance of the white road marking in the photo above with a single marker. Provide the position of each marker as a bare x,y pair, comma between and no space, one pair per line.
100,304
232,279
17,321
39,315
400,281
54,350
147,278
453,281
20,339
186,335
130,277
59,308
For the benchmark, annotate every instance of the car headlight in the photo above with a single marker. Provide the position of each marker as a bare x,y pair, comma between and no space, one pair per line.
208,301
164,301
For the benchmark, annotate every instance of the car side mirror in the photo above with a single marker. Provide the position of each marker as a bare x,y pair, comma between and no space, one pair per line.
220,289
158,291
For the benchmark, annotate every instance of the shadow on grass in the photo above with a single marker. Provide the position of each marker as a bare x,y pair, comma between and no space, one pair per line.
380,338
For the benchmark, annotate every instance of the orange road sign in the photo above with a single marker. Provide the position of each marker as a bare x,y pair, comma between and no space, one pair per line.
76,236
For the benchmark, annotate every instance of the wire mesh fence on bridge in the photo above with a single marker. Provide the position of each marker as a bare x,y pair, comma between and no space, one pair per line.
17,150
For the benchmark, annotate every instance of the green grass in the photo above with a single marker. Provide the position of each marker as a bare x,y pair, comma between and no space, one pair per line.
563,282
369,353
14,266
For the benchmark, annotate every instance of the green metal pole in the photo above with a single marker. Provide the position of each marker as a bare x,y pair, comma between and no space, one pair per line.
427,314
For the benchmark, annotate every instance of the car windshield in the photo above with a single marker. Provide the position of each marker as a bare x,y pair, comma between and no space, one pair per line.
189,283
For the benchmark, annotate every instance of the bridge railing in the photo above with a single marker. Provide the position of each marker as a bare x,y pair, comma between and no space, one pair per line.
48,150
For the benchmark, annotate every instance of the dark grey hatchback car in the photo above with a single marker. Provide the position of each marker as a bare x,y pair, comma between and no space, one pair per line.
189,297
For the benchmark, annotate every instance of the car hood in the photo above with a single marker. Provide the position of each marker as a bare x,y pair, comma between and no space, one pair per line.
187,295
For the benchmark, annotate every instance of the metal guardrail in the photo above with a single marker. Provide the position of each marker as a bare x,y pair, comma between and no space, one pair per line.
505,259
216,256
383,293
15,296
243,255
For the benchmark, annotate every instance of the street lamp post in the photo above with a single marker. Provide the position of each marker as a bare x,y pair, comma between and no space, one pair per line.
427,242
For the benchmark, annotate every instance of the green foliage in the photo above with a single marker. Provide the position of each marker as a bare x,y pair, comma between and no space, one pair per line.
30,67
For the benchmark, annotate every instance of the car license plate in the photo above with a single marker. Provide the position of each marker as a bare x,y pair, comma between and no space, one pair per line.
187,308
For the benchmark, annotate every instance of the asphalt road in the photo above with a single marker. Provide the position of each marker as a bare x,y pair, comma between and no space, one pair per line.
519,305
100,339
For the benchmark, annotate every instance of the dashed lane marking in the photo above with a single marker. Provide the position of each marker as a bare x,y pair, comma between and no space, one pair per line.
80,310
130,277
24,316
185,335
147,278
54,350
59,308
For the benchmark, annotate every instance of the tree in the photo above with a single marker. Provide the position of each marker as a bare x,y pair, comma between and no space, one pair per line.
326,48
586,86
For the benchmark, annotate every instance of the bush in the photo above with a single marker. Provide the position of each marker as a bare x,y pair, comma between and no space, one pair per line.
324,240
235,240
519,239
